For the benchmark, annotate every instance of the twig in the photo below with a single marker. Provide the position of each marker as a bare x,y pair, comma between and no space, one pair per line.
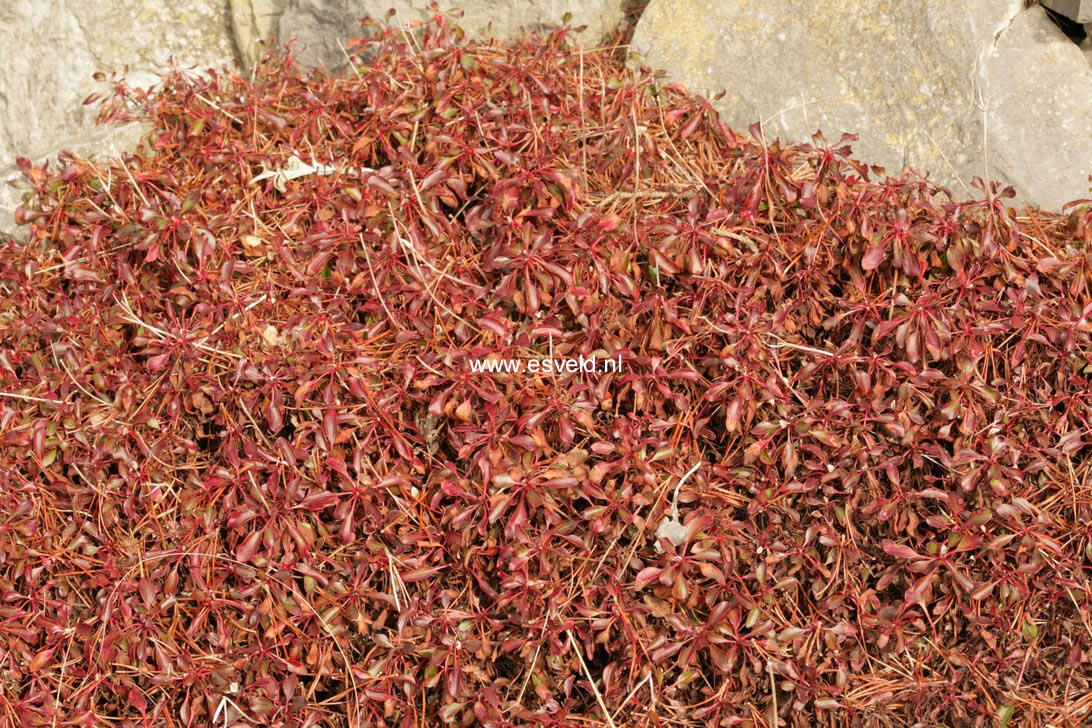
396,583
587,674
773,693
28,398
649,194
221,109
527,678
415,263
375,285
405,244
223,323
648,679
782,344
683,479
166,335
224,702
348,59
136,187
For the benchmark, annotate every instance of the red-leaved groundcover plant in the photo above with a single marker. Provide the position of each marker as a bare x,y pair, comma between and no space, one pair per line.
248,475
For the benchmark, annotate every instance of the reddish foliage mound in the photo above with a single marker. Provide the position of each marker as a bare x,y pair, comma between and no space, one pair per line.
248,474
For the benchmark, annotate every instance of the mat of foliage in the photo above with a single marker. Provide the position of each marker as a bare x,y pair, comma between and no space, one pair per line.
248,475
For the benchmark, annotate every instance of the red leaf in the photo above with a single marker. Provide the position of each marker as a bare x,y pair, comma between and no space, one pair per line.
662,653
138,701
920,587
421,574
274,414
40,660
712,572
955,258
646,576
159,361
691,125
874,257
347,532
451,711
319,501
249,547
901,552
329,427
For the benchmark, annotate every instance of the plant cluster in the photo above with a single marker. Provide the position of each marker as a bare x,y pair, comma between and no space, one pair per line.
246,473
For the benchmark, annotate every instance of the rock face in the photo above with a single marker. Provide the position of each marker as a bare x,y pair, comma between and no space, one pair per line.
1039,123
951,86
320,24
254,22
1079,11
50,50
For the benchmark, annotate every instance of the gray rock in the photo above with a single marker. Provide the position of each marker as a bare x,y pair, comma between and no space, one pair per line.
254,22
50,50
1077,10
947,86
321,24
1039,121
